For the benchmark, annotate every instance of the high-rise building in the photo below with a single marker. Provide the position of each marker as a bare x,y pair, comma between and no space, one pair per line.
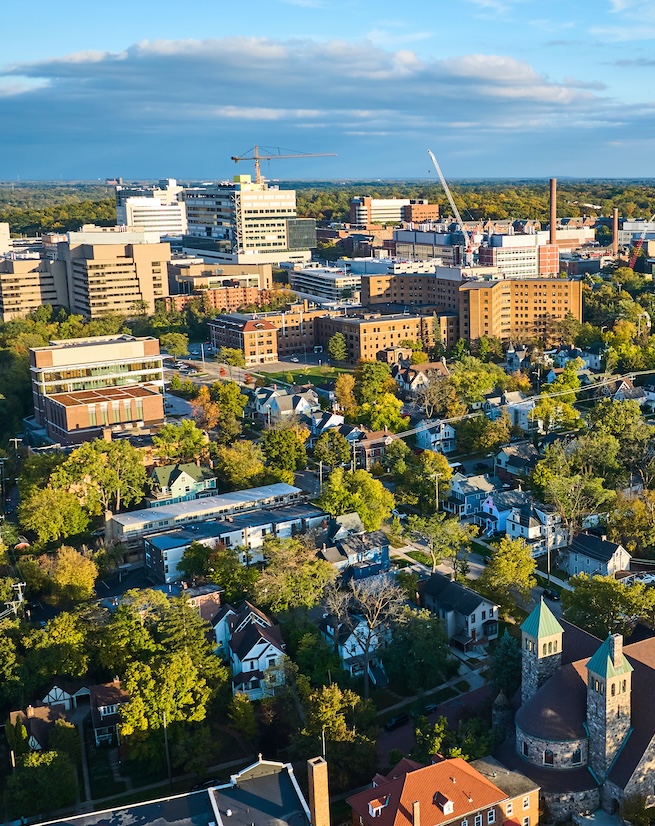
29,283
110,270
158,209
244,222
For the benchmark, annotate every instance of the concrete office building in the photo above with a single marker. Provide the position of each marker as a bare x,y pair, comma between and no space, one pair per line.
29,283
153,215
325,284
520,256
425,245
365,211
245,222
81,387
112,270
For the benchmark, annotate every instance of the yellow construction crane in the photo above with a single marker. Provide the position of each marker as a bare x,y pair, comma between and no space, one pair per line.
257,158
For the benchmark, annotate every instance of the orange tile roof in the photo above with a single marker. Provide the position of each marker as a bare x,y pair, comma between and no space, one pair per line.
454,780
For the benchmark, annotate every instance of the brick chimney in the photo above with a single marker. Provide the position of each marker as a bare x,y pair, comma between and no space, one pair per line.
416,813
29,711
319,795
616,650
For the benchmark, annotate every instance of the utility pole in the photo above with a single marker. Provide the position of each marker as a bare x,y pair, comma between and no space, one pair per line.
436,491
320,474
168,756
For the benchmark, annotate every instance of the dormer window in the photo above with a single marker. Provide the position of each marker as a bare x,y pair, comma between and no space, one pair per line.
444,803
375,806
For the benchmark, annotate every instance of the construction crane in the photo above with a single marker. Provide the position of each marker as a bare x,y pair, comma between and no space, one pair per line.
257,158
453,206
639,245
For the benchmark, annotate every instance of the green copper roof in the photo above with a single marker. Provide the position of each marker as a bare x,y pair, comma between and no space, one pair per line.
541,622
602,665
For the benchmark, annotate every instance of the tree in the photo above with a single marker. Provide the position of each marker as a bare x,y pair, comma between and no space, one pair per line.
395,456
195,560
511,568
224,568
337,347
575,497
17,737
332,448
231,402
183,442
506,665
177,344
479,434
293,577
65,739
344,390
284,448
52,514
624,421
383,414
347,492
104,475
241,466
632,523
443,537
205,411
417,657
473,379
368,608
316,658
430,738
43,782
373,378
242,716
603,605
72,575
232,357
439,398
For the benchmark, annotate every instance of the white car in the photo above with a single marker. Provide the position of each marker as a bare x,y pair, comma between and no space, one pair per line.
294,359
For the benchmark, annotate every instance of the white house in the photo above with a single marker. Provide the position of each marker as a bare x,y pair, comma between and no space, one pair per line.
67,695
516,460
180,483
252,645
469,617
349,640
433,434
594,355
320,421
514,403
412,379
106,699
272,404
493,513
539,525
468,492
592,554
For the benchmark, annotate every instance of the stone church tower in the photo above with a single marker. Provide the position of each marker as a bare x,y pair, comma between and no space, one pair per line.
609,684
541,644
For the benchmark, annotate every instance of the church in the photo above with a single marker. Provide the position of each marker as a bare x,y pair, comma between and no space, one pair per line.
585,722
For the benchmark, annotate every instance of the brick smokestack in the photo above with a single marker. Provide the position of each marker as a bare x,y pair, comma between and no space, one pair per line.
615,231
319,794
553,210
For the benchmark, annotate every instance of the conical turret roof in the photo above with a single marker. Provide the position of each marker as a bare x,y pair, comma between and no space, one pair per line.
541,622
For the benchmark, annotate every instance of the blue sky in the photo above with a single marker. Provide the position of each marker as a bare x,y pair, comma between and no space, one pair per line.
497,88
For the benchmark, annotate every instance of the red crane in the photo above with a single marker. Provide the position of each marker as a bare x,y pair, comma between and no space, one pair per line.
640,243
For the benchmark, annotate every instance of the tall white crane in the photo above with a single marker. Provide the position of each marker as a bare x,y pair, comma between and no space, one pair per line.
453,205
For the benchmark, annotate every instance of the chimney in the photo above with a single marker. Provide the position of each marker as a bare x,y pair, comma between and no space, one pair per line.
616,650
553,210
29,711
416,813
319,795
615,231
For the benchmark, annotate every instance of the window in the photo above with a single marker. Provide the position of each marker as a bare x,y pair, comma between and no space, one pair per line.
526,821
478,820
526,804
509,809
576,758
491,816
525,748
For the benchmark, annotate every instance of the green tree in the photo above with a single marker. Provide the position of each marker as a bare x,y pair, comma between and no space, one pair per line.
479,434
383,414
316,658
603,605
284,448
332,448
242,716
510,569
358,491
505,671
344,390
417,656
575,497
183,442
72,575
473,379
372,379
105,475
337,347
17,737
61,648
430,738
632,523
624,421
293,577
231,402
240,466
65,739
232,357
225,569
52,514
44,781
195,560
443,538
177,344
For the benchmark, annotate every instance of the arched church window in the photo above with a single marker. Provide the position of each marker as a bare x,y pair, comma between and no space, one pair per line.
550,647
555,646
544,649
576,757
549,758
613,690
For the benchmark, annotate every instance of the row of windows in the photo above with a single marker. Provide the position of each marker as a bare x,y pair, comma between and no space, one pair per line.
549,757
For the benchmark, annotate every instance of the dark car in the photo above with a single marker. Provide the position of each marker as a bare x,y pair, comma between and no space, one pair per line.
550,594
396,722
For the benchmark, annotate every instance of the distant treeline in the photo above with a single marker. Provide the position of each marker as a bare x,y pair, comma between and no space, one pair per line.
30,209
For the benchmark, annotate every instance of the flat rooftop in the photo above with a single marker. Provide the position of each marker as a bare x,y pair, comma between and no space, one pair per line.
92,341
198,508
105,394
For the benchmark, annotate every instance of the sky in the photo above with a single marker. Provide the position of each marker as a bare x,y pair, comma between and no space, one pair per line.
159,88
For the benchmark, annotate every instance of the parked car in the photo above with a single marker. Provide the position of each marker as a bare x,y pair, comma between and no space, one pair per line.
550,594
294,359
396,722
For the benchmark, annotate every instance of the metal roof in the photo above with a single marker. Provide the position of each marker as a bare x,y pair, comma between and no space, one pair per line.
541,622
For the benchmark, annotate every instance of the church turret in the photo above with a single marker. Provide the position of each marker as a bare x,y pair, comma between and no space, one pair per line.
609,683
541,644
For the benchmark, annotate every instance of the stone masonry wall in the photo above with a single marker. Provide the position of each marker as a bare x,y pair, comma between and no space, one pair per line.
563,805
562,751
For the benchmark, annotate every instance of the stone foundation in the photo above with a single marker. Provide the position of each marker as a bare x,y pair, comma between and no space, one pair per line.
564,804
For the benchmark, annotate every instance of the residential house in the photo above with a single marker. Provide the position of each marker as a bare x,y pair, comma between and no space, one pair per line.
67,695
517,358
517,406
493,513
350,640
319,422
623,389
180,483
273,404
567,353
449,791
411,379
467,493
469,618
340,527
252,645
370,448
594,355
106,699
38,721
516,461
592,554
539,525
245,531
436,435
358,556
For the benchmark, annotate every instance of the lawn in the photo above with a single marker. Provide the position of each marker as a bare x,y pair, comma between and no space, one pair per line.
310,374
422,557
479,548
100,775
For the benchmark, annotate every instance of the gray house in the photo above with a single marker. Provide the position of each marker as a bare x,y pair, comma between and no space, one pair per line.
592,554
469,617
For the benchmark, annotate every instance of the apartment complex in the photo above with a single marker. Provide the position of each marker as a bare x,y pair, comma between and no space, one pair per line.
436,287
365,211
325,284
29,283
81,387
244,222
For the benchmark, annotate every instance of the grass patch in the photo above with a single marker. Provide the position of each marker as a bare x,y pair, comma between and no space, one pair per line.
420,556
100,776
462,686
479,548
542,579
444,694
395,541
318,375
383,698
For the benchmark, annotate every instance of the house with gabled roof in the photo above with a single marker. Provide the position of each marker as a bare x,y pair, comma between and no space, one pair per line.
516,461
181,482
467,493
590,553
358,555
274,404
252,645
435,435
411,379
106,700
469,617
348,640
493,513
540,526
517,406
39,721
67,694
